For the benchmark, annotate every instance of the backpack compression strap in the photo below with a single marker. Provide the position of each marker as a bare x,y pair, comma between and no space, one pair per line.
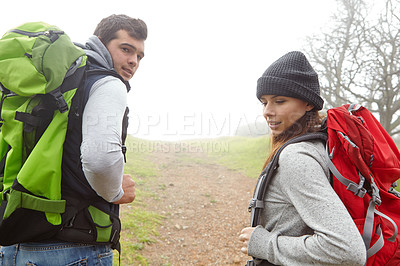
360,191
73,79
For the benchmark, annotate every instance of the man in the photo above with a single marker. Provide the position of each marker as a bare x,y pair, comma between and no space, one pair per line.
93,182
114,45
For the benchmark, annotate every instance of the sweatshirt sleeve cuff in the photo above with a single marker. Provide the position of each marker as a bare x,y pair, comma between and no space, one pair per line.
258,243
119,196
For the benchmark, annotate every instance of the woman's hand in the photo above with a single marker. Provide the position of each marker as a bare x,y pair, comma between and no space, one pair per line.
244,237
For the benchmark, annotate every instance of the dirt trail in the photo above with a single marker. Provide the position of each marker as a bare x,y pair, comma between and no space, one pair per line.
205,206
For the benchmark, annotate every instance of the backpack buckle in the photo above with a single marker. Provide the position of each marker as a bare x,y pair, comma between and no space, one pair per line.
358,190
124,152
376,199
62,105
255,203
4,194
394,192
251,204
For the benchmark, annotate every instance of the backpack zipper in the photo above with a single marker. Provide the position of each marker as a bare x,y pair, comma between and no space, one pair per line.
36,34
52,34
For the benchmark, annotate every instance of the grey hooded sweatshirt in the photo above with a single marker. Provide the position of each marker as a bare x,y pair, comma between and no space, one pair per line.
101,156
304,222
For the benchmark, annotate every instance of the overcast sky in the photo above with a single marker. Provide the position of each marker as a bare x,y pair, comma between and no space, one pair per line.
203,58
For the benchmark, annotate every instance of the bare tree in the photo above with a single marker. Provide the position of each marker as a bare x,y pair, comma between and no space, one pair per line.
358,59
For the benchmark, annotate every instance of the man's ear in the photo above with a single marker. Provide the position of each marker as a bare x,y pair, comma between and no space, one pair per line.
101,40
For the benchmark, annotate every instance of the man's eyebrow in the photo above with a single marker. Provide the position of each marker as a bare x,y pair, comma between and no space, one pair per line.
133,47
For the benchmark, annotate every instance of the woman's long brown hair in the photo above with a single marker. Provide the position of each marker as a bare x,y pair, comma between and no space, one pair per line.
310,122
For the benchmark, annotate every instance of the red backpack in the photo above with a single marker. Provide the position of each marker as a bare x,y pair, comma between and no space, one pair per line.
365,165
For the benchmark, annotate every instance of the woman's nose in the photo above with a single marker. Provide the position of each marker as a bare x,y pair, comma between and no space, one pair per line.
268,111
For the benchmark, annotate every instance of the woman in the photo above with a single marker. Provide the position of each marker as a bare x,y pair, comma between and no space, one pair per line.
303,221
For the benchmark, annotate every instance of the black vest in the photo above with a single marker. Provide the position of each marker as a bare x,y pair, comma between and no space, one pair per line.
80,226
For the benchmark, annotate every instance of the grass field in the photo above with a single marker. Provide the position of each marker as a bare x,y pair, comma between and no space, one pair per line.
243,154
138,225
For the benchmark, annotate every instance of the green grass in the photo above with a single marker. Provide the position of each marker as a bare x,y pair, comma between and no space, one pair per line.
138,163
139,227
244,154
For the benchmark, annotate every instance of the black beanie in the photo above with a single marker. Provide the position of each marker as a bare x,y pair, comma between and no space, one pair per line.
291,76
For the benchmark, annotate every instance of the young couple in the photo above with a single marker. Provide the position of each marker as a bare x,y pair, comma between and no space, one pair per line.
303,222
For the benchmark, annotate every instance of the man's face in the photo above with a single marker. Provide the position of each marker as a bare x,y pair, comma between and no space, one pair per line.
126,53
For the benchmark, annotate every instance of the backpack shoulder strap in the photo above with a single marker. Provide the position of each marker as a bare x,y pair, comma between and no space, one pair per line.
257,202
125,123
99,73
107,72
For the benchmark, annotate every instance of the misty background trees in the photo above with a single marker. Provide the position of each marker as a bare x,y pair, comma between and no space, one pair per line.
357,57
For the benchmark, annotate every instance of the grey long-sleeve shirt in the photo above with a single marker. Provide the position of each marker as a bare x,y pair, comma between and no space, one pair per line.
101,156
101,147
304,221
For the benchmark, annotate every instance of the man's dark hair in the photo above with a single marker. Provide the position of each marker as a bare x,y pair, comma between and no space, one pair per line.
108,27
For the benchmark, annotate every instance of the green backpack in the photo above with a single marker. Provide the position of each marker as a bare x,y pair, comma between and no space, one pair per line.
40,71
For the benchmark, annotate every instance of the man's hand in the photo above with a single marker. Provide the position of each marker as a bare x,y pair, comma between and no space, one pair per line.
128,186
244,237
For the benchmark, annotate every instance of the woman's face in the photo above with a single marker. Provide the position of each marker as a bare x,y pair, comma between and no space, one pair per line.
282,111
